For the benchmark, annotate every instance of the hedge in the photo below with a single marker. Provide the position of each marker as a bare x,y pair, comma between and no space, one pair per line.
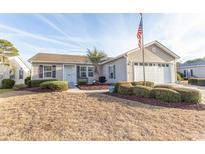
36,83
141,91
7,84
165,86
123,83
197,81
125,90
166,95
189,95
148,83
55,85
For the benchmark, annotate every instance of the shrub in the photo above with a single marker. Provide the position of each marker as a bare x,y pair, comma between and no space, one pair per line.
26,80
54,85
36,83
165,86
179,78
7,83
166,95
181,75
189,95
142,91
122,83
125,90
193,81
201,82
102,79
148,83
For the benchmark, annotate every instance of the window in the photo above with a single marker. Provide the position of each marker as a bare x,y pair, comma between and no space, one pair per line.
47,71
21,73
83,73
40,71
167,65
150,64
112,74
136,64
90,71
163,65
141,64
145,64
159,65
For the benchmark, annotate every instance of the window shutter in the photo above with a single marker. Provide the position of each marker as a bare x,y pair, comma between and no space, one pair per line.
114,72
40,71
54,71
109,72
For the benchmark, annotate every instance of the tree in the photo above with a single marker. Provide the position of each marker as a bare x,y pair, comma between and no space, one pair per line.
95,56
6,50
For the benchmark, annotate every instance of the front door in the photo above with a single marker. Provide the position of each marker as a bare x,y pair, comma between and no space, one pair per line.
70,74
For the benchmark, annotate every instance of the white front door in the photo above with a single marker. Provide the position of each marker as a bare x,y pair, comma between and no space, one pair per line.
70,74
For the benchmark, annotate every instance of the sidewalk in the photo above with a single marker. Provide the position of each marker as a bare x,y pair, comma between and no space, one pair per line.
77,90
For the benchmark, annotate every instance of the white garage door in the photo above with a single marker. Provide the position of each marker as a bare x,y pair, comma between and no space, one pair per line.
158,73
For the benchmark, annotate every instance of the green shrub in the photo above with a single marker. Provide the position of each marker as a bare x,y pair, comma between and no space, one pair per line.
36,83
54,85
141,91
122,83
193,81
201,82
26,80
148,83
179,78
165,86
125,90
29,83
7,83
189,95
166,95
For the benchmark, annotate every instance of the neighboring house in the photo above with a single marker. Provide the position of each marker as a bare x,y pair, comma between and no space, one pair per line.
160,66
192,70
20,70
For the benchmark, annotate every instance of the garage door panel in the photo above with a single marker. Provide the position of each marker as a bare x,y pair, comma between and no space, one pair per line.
156,73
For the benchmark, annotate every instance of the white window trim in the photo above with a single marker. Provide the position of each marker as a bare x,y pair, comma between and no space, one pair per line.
86,72
113,78
90,71
51,72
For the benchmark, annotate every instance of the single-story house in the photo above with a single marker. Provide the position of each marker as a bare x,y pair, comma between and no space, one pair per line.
160,66
196,69
18,72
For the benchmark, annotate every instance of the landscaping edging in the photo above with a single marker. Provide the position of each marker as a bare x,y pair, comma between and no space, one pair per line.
155,102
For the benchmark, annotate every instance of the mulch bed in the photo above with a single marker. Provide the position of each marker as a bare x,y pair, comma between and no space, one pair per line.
152,101
93,87
35,89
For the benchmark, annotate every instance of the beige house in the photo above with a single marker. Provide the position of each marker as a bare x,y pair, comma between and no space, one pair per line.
160,66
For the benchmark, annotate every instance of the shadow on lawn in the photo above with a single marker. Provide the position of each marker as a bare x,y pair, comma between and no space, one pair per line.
104,97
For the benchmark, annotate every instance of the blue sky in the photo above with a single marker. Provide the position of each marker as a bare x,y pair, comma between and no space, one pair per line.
113,33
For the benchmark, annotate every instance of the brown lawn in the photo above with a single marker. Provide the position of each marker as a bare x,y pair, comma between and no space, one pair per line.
67,116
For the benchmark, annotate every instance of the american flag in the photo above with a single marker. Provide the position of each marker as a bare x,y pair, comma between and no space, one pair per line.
139,33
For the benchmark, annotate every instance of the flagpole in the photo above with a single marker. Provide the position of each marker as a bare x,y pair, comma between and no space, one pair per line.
142,49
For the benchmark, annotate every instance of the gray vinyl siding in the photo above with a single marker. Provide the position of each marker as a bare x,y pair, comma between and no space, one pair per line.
120,70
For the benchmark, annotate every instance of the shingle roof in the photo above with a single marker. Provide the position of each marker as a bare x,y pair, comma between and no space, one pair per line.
202,63
59,58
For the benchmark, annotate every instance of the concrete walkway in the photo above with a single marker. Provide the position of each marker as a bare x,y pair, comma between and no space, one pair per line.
77,90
